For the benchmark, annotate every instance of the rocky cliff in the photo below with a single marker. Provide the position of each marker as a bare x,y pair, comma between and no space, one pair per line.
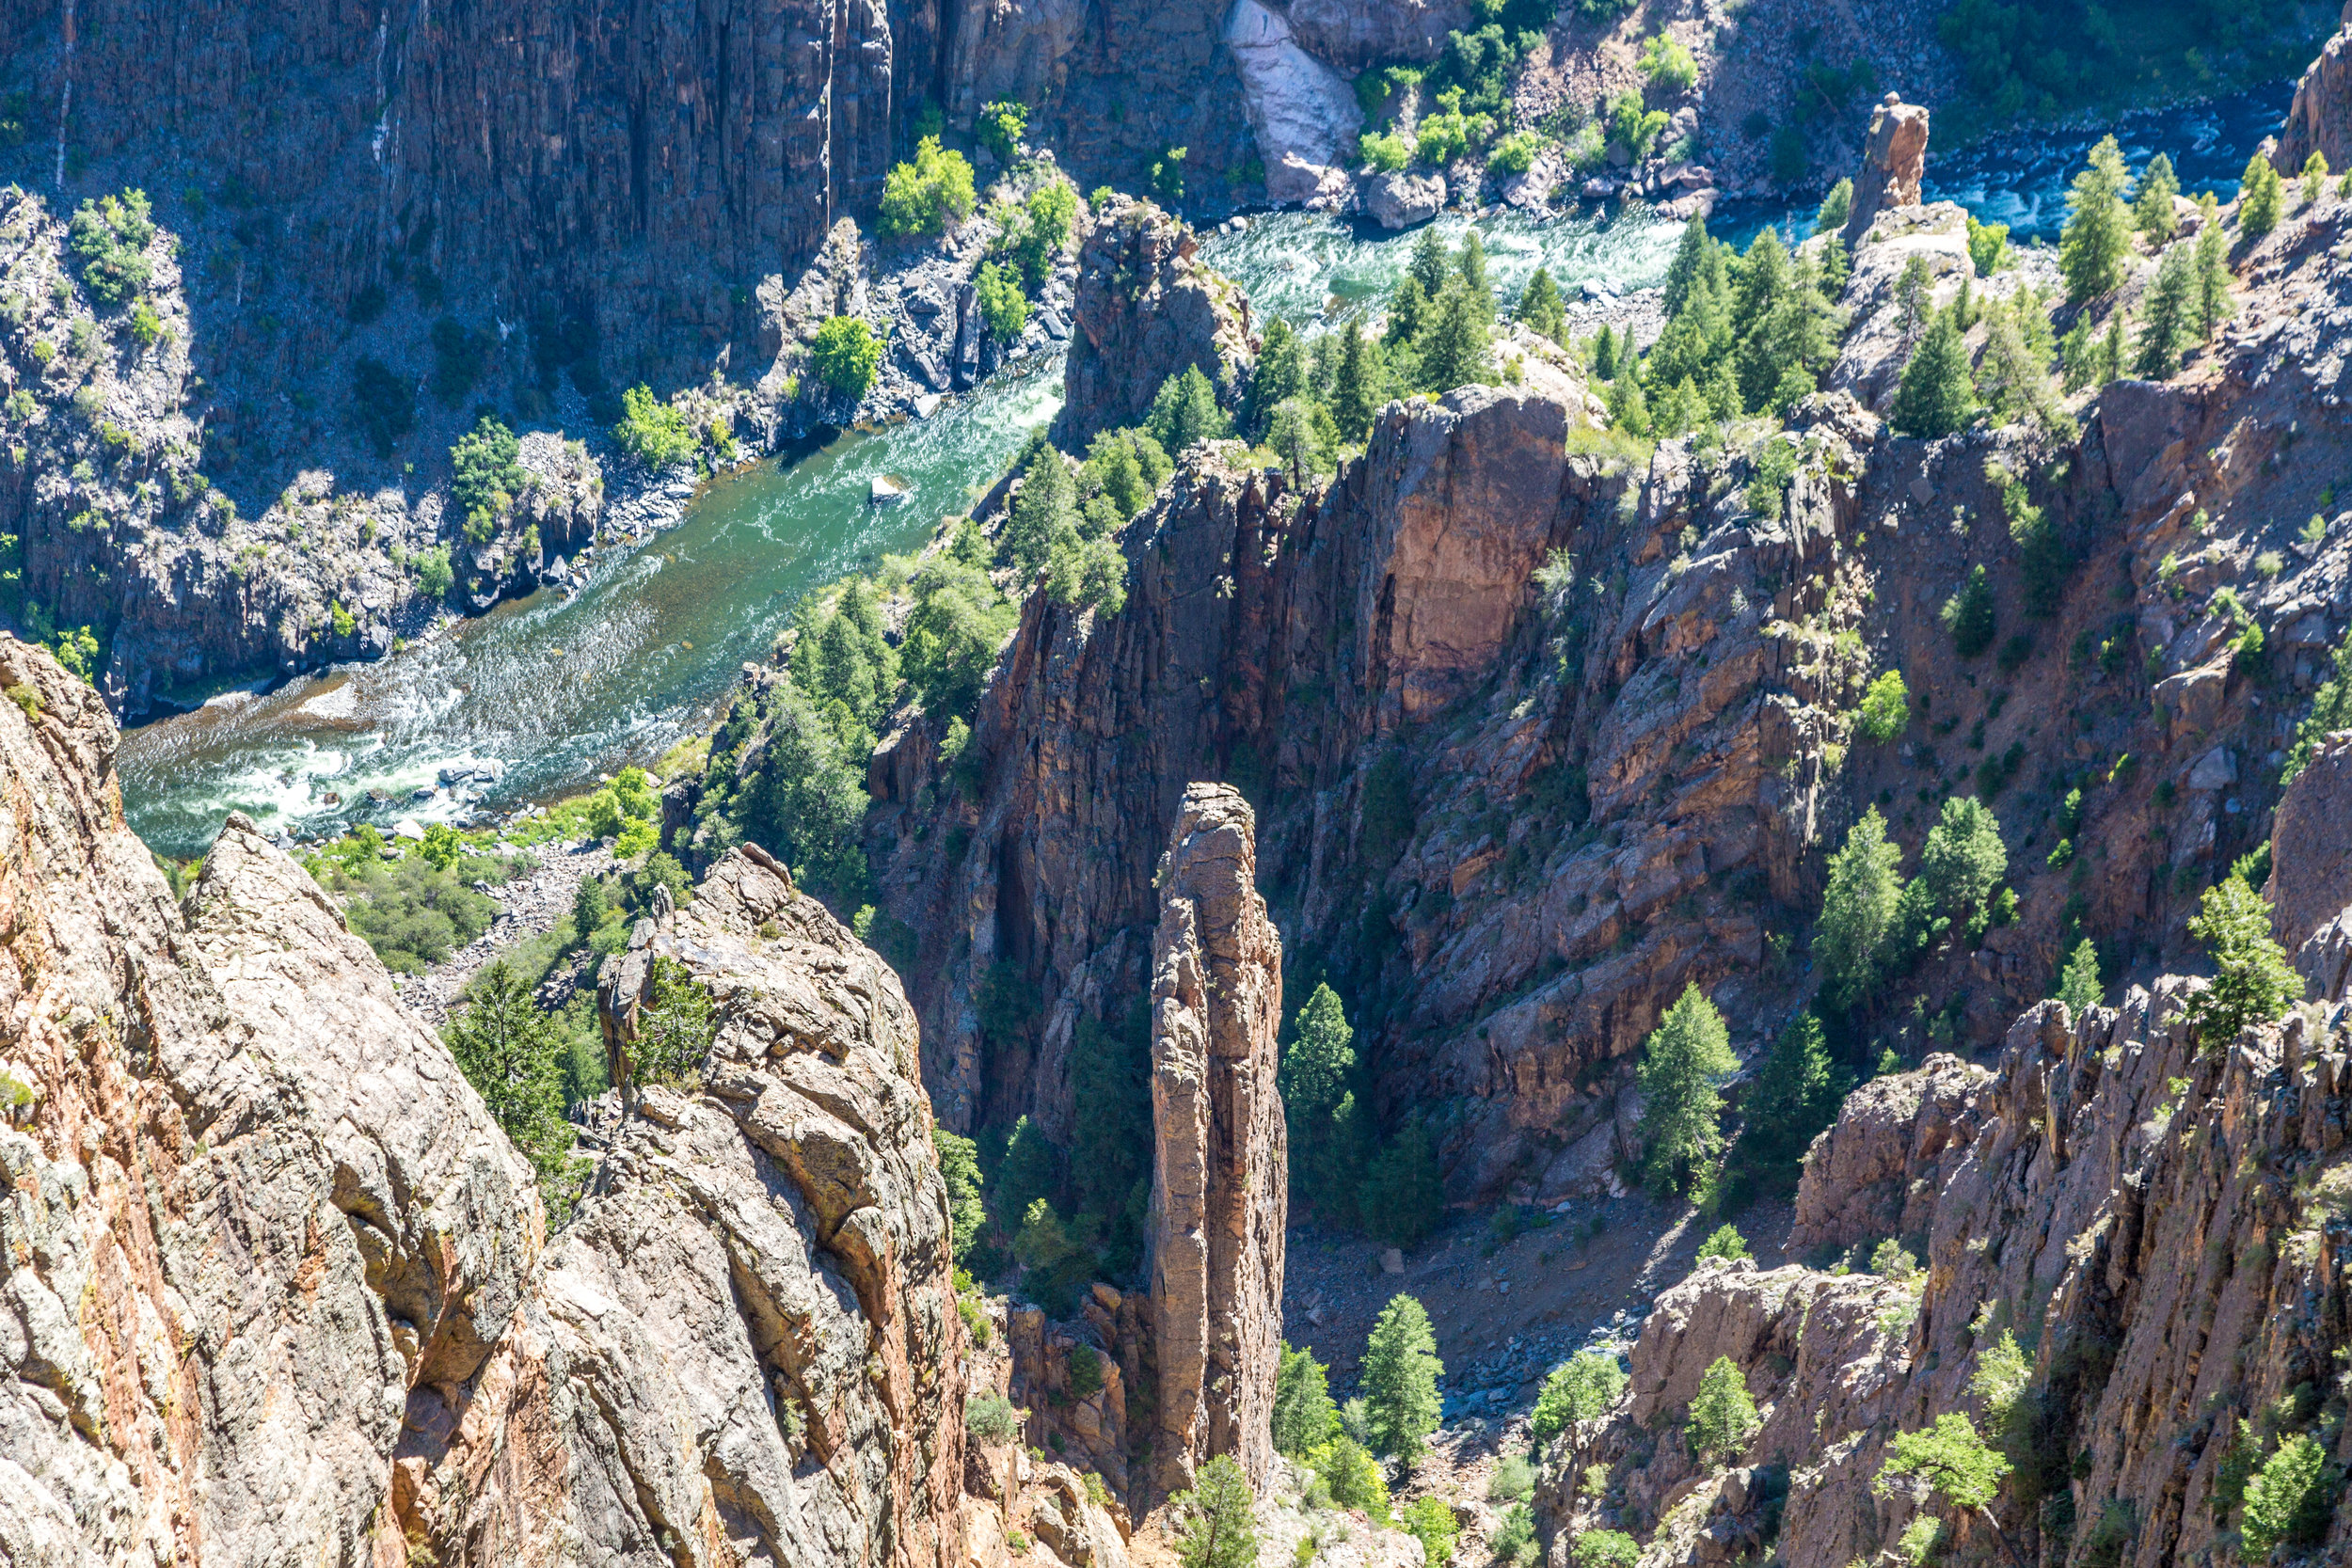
1145,307
2156,1217
1514,814
257,1221
278,1284
1220,1170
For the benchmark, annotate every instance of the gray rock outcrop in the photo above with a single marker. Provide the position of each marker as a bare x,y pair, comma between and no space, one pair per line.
255,1219
278,1287
1220,1178
1145,307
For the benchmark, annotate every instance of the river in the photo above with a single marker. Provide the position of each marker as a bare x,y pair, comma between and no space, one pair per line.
561,688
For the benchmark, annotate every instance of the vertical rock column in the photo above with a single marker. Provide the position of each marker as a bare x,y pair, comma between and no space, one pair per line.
1893,164
1220,1161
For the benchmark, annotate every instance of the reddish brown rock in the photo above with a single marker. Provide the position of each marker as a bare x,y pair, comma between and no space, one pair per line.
1219,1176
2320,119
1893,163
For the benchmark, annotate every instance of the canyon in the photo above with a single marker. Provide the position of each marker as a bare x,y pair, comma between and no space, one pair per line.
1512,730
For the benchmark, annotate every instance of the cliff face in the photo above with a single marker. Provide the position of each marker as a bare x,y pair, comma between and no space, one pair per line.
1512,817
2320,119
256,1217
1219,1169
277,1285
746,1347
628,162
2155,1220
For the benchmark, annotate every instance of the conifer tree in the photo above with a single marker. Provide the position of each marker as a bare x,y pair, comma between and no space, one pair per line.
2171,319
1318,1071
1472,261
1407,307
1605,354
1690,259
1281,374
2213,304
2097,236
1794,1096
1355,386
1400,1378
2079,986
2151,204
1913,291
2108,363
1454,344
1430,264
2313,178
1541,305
1684,1065
2259,199
1857,928
1936,395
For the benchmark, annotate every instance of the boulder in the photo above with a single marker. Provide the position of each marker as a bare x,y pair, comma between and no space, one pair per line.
1220,1167
1402,199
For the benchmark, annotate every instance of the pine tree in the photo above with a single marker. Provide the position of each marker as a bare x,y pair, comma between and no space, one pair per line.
1399,1380
508,1049
2107,364
1685,1063
2214,304
2151,204
2169,324
1857,928
1430,265
1045,506
1318,1071
1473,265
1355,386
1541,305
2259,199
1794,1096
1453,346
1407,307
1914,296
1304,1416
1185,411
1281,374
1605,354
2314,180
1690,260
2097,236
1722,1413
1964,857
1835,209
1936,395
960,1167
1215,1523
2079,987
2253,981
